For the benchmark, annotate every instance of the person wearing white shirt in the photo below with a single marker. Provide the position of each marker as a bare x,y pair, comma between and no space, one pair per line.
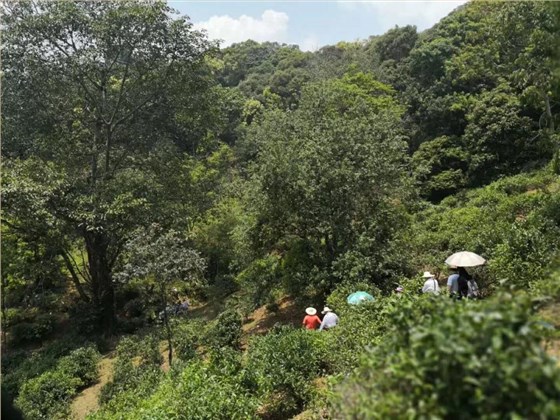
329,320
473,289
431,285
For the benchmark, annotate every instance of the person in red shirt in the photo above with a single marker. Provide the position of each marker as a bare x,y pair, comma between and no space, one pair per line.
311,320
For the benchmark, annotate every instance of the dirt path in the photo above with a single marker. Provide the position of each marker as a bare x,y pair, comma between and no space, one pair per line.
262,320
86,401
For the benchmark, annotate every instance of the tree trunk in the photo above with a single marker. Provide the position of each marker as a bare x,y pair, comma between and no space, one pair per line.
74,276
166,324
549,114
3,294
101,280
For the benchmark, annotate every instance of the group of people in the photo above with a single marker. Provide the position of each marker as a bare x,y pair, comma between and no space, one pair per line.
312,320
460,284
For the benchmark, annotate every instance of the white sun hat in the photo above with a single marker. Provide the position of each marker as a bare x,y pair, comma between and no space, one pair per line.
310,311
427,275
326,309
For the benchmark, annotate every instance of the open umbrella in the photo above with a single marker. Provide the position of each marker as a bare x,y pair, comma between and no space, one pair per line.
465,259
359,297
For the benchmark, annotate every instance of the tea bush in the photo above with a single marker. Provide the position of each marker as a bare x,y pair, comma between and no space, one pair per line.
81,364
337,299
281,365
456,360
514,223
118,399
199,393
360,327
187,336
225,331
47,396
21,366
138,360
36,330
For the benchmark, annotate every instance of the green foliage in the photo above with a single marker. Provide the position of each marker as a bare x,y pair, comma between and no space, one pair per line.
482,77
547,288
137,365
133,110
281,366
337,299
21,366
259,279
29,332
440,165
81,364
513,223
313,178
47,396
225,330
187,336
457,359
196,393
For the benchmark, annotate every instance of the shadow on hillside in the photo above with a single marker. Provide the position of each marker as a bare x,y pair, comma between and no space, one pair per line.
262,320
206,312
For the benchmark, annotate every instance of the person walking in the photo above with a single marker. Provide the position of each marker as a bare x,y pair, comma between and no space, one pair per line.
329,320
453,283
473,291
463,283
431,285
311,320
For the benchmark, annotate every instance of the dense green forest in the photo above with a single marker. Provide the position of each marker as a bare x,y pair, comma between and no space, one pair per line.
142,164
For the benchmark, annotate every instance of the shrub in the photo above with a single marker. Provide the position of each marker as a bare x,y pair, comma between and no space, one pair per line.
225,331
37,330
360,327
138,361
198,393
258,280
456,360
85,318
187,336
118,399
281,365
337,299
513,223
81,364
47,396
14,316
29,365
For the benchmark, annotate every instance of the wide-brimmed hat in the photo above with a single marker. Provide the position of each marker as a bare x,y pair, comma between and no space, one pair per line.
427,275
310,311
326,309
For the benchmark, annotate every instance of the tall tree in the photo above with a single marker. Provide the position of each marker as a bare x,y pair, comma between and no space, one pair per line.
91,94
327,176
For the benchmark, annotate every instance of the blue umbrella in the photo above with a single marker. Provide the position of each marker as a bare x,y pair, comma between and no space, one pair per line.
359,297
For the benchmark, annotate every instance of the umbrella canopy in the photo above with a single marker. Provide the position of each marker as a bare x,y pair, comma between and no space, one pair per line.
359,297
465,259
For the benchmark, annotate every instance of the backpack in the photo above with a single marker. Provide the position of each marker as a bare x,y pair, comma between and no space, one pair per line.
463,286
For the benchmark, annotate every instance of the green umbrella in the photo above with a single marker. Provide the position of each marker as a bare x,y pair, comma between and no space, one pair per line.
359,297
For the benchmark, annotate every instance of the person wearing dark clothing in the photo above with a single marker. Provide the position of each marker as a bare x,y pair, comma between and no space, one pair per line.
463,283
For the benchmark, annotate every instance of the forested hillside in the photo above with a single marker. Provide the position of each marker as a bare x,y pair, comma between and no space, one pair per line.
144,166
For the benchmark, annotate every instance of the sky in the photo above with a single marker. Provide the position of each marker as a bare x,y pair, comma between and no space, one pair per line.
310,24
